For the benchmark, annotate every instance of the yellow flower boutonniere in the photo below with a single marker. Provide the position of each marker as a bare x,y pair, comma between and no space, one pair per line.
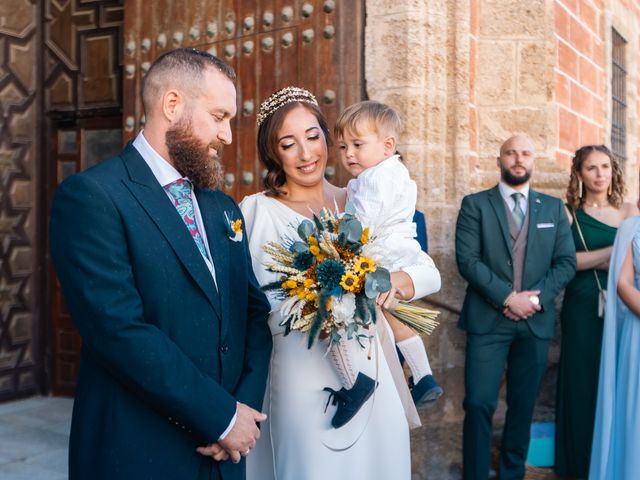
234,227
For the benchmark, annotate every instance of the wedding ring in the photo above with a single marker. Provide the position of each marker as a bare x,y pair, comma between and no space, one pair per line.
534,299
247,452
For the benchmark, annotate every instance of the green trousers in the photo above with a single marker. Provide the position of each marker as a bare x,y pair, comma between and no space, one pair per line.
525,356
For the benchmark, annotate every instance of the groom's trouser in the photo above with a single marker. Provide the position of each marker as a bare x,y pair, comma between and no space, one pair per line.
526,358
209,469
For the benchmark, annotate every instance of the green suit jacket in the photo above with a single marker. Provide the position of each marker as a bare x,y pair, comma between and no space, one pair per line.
483,254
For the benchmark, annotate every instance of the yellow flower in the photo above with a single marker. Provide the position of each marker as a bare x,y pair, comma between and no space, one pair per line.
311,296
312,240
350,282
315,250
237,225
290,284
364,265
308,283
364,238
329,304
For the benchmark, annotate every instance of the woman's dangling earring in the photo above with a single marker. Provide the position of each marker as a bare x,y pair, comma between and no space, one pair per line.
580,193
610,191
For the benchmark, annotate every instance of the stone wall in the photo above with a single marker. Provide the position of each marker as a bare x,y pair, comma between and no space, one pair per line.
465,75
417,59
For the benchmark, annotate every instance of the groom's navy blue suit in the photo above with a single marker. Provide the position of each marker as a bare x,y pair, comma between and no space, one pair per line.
165,353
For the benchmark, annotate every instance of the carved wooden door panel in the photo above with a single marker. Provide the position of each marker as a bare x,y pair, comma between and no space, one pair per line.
315,44
83,125
21,358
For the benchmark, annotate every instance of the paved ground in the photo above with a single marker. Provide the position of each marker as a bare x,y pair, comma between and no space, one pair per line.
34,435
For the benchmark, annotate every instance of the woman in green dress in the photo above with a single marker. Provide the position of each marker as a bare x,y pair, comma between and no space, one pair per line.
596,209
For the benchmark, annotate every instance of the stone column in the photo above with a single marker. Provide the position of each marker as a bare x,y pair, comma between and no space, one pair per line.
417,60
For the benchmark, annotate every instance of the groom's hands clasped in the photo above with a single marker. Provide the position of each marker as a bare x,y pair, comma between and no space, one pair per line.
240,439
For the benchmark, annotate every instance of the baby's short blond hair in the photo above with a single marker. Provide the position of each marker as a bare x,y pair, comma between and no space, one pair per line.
371,116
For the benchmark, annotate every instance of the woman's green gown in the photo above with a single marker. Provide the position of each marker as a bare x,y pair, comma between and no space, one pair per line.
580,355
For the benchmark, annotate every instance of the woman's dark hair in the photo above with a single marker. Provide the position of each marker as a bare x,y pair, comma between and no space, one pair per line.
268,144
575,195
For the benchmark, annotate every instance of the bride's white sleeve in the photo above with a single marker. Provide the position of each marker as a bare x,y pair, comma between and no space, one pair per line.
259,231
424,275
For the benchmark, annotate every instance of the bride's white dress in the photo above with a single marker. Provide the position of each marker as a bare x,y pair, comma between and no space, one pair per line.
297,441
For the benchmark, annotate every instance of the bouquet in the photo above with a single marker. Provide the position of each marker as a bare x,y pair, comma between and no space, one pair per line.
422,320
328,288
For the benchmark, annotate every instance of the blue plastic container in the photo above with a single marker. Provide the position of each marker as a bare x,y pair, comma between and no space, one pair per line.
541,447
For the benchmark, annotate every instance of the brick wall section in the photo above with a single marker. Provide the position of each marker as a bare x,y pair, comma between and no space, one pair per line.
583,77
580,75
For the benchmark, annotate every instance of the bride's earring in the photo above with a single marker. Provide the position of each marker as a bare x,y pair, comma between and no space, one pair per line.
580,192
610,191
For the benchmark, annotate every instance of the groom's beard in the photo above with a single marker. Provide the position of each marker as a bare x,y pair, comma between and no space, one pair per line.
191,157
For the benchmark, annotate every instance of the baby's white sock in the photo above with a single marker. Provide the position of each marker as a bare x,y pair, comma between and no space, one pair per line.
415,354
345,366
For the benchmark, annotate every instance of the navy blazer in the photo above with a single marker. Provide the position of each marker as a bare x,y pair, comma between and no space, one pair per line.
421,231
165,355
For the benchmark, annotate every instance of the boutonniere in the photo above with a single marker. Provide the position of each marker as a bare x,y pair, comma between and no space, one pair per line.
234,227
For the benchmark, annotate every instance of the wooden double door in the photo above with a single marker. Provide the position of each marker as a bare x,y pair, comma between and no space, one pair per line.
315,44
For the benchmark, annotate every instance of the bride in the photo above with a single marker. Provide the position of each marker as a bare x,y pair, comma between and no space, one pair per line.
297,440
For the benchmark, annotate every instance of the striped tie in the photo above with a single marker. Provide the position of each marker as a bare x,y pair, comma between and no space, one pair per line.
180,191
518,213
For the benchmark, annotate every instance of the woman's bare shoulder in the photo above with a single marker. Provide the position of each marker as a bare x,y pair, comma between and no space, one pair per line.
629,209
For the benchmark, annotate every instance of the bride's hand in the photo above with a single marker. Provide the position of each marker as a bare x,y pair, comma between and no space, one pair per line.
401,287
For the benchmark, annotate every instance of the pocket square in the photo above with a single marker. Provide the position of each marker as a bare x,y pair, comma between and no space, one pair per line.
545,225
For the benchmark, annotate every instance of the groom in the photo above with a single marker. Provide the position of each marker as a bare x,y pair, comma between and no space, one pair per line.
175,340
514,247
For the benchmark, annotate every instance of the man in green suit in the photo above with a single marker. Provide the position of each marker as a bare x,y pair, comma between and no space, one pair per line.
176,344
514,248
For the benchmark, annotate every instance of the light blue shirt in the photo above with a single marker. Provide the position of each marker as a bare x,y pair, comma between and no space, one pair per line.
506,191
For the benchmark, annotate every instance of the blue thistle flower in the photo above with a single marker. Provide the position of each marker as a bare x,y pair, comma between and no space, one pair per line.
329,274
303,260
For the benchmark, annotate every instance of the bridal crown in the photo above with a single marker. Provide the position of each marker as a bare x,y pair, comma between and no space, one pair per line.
281,98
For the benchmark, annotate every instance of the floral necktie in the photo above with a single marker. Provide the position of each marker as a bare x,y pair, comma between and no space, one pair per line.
181,190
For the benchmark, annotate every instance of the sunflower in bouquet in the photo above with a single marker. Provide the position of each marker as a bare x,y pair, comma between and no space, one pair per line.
328,288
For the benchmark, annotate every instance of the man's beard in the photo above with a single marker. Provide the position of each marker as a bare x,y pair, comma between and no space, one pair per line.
514,180
190,156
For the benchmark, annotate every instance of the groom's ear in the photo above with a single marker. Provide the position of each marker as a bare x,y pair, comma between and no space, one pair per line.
172,105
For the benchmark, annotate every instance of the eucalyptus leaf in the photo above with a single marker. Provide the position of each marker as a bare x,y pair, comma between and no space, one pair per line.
299,247
352,230
350,209
383,279
377,282
305,229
